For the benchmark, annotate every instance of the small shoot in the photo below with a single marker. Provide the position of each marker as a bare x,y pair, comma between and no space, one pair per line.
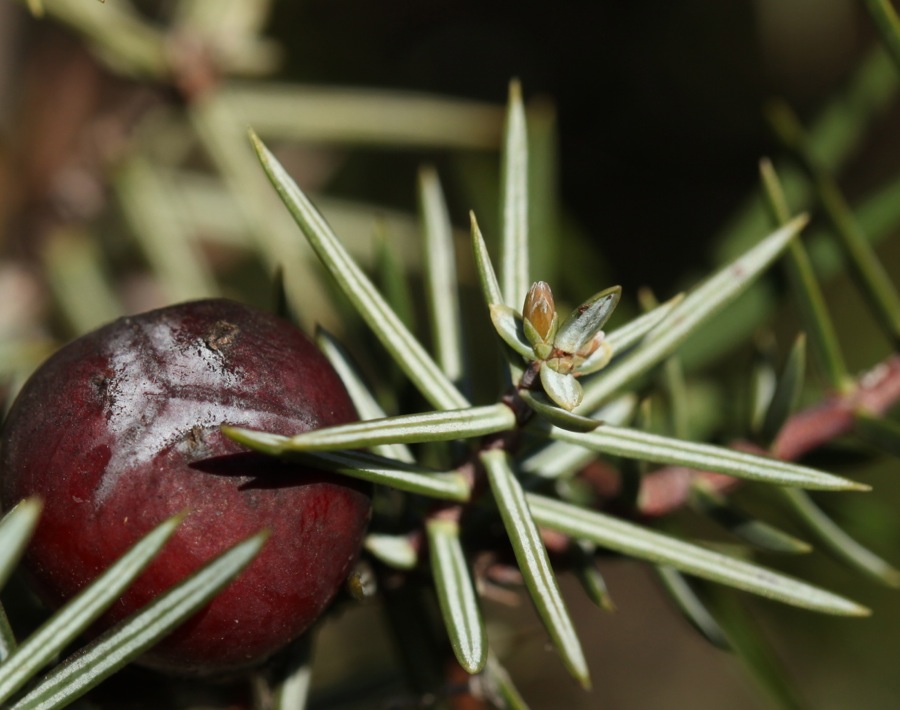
559,353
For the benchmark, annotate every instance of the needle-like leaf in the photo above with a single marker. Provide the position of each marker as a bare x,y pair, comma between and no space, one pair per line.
15,532
72,263
810,299
747,639
692,606
533,562
706,300
392,277
644,446
449,485
64,626
511,367
561,459
787,390
633,540
175,258
8,642
514,202
487,276
501,687
634,330
366,405
440,276
403,346
130,638
584,565
673,380
833,537
868,271
254,207
888,24
356,116
456,594
755,532
406,429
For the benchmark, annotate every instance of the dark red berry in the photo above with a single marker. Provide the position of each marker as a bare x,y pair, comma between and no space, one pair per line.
120,430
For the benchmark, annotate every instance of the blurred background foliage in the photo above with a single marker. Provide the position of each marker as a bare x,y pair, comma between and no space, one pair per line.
126,182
